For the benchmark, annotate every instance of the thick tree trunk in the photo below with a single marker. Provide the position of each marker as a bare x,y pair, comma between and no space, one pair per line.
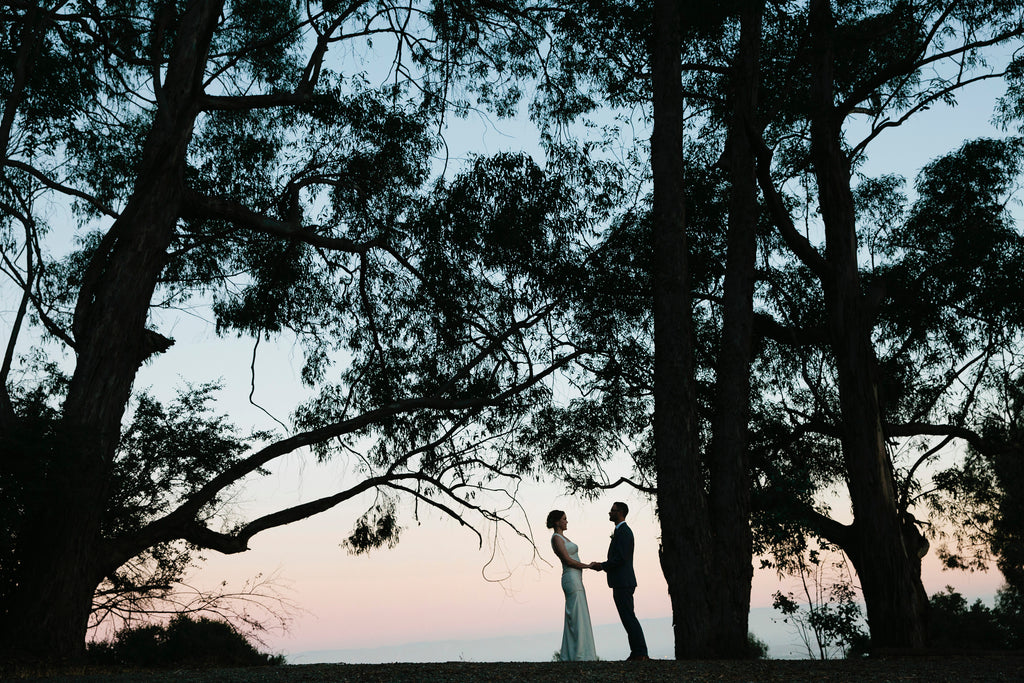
682,507
65,554
889,571
728,462
46,613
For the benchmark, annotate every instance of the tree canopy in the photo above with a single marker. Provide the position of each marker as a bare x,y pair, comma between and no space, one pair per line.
741,310
240,157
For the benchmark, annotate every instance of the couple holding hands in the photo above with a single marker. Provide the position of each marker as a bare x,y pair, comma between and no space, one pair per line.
578,635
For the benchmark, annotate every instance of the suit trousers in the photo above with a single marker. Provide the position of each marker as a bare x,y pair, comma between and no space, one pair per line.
623,598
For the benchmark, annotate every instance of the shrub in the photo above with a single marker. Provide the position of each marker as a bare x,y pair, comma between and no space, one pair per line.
953,624
756,648
182,642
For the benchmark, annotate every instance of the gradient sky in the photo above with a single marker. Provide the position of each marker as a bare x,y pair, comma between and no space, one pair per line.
438,584
435,585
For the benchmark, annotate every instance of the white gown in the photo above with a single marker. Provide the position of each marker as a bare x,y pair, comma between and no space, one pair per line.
577,635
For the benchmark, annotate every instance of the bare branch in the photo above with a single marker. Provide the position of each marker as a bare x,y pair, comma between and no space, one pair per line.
591,485
64,189
926,429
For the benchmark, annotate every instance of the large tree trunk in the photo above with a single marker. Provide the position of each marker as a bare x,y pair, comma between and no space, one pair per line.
46,613
889,571
728,462
682,507
59,574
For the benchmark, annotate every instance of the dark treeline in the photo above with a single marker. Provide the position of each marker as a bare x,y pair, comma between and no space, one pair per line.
750,320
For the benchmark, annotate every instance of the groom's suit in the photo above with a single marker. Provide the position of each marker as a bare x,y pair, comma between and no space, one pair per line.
622,581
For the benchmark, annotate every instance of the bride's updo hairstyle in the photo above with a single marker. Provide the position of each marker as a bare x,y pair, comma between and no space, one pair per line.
553,518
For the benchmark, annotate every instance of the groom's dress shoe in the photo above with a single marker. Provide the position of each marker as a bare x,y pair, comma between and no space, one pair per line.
638,658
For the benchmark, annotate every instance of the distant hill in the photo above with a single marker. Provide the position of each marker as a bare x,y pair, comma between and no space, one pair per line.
541,647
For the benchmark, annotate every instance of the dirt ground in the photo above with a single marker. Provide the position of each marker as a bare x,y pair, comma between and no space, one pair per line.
930,669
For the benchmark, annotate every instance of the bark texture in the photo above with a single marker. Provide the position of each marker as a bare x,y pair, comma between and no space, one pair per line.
57,580
728,461
889,570
682,506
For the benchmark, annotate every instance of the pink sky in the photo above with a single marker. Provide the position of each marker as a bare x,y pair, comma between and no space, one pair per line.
431,586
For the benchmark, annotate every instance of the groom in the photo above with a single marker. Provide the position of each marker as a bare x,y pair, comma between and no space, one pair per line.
622,580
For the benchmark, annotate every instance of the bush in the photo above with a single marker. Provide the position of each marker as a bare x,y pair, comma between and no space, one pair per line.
756,648
182,642
1009,611
953,624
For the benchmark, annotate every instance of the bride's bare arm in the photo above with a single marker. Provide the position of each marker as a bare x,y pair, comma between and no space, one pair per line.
558,545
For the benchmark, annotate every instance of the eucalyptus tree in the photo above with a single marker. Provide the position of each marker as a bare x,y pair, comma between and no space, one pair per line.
870,361
706,542
236,155
675,322
864,333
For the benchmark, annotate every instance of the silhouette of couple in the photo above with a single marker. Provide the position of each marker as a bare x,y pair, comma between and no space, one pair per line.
577,634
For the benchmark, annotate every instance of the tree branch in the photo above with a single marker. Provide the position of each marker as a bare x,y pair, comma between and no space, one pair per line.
923,104
64,189
799,244
200,206
908,429
181,522
251,102
238,541
767,327
591,485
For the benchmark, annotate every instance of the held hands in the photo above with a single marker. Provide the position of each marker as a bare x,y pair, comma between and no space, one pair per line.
595,566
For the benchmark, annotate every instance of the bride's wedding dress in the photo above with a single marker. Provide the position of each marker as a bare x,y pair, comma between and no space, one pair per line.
577,635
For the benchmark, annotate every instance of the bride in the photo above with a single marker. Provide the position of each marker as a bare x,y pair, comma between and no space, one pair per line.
577,635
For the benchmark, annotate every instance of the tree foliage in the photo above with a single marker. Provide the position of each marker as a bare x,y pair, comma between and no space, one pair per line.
261,162
884,314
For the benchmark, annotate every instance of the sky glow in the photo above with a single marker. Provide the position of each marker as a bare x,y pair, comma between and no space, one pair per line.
437,583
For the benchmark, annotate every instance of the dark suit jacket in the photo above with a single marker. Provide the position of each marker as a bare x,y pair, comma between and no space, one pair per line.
619,565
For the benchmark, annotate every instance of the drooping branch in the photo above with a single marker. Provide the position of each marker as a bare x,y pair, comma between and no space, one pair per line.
419,495
59,187
181,522
463,501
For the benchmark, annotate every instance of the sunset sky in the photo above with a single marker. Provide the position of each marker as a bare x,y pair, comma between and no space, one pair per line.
438,584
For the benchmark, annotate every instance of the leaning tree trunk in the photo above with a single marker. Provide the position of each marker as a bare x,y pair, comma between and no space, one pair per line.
728,461
682,508
888,570
63,550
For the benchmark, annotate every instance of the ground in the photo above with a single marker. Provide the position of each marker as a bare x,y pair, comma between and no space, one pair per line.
929,669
